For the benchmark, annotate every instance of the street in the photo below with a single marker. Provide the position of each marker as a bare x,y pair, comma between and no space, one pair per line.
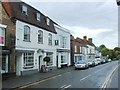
94,77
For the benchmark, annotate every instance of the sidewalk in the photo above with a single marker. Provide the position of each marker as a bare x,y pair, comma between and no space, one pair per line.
23,80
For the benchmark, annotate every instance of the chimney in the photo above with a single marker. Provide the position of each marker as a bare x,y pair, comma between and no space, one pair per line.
85,39
90,40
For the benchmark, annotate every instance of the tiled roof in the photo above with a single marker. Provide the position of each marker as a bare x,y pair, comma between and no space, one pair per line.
14,10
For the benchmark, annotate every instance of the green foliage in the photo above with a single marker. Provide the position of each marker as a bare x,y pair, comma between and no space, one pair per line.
105,51
113,53
101,47
46,59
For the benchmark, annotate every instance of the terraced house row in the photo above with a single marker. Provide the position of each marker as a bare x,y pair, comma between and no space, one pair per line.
27,36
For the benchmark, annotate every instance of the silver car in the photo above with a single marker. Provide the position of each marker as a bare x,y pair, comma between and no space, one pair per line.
81,64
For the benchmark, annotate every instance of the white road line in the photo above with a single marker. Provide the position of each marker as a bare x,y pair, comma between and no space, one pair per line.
63,86
67,86
108,78
85,77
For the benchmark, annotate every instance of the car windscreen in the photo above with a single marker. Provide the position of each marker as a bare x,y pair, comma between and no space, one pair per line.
80,63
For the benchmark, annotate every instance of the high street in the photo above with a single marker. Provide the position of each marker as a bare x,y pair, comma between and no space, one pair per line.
94,77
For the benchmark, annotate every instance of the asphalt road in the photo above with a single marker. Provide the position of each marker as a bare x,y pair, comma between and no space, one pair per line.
94,77
114,80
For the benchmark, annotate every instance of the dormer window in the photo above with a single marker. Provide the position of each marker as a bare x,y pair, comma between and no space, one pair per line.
48,21
38,16
24,10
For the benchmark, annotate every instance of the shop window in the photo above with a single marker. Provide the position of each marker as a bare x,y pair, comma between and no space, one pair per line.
28,60
62,58
2,36
4,64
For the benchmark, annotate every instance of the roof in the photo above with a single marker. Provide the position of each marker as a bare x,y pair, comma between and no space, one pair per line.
14,10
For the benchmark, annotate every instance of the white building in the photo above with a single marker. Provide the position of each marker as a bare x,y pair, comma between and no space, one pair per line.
62,44
35,38
32,46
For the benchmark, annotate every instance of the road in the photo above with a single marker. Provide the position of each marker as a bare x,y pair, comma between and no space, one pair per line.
94,77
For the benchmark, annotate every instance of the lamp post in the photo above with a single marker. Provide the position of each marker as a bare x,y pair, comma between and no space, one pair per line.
118,3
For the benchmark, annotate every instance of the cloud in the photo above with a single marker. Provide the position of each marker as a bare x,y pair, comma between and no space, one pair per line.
98,20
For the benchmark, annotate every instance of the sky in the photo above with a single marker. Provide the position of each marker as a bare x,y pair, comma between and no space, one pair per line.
97,19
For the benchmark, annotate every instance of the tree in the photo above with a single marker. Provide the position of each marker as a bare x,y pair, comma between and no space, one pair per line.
105,51
117,49
101,47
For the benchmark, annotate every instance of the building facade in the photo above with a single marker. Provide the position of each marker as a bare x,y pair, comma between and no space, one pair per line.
62,44
31,36
82,49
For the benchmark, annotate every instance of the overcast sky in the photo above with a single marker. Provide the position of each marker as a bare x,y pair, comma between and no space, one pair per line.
97,19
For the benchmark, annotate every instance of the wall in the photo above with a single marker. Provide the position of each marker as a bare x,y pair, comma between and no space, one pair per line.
10,37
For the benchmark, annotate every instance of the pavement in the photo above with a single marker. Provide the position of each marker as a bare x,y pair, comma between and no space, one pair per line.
19,81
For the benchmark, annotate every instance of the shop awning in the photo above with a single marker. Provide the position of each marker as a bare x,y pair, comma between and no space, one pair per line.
25,51
63,50
5,51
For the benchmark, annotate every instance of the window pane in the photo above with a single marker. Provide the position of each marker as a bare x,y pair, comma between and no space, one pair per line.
28,59
26,33
40,36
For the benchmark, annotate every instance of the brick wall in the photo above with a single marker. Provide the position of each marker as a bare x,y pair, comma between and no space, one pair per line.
10,38
72,48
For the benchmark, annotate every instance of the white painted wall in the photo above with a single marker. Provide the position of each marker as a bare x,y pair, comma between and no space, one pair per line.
33,45
62,32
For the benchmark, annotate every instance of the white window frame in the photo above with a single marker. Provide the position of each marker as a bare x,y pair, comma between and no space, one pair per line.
26,33
75,48
80,49
28,60
40,37
49,39
38,16
48,21
24,9
63,41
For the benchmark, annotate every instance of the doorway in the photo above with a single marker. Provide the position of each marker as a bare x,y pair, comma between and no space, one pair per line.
40,59
57,61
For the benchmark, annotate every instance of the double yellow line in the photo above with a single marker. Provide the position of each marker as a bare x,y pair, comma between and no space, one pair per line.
38,82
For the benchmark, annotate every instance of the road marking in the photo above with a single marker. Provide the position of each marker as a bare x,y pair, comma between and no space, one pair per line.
65,86
85,77
38,82
108,78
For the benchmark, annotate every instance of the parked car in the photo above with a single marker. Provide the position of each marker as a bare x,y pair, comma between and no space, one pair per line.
109,60
103,61
81,65
99,61
91,63
96,62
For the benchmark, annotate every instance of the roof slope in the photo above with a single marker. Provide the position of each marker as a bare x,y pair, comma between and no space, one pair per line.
14,10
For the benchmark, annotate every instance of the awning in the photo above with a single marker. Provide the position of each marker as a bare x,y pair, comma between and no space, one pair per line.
25,51
63,50
5,51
